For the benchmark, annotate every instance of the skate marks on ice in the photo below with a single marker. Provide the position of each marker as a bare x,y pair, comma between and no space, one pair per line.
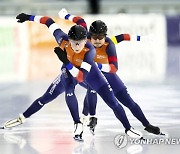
51,130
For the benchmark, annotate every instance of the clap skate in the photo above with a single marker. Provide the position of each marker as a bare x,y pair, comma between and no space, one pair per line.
134,133
78,131
154,130
92,124
14,122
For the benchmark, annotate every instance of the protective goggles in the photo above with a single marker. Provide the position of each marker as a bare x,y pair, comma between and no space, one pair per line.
77,42
99,37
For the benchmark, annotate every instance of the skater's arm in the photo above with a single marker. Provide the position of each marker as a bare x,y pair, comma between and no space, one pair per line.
125,37
112,66
49,22
80,72
128,37
63,14
62,55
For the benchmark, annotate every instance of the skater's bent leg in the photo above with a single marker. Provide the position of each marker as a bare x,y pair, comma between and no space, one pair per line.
127,101
72,104
69,84
85,107
92,101
54,90
107,95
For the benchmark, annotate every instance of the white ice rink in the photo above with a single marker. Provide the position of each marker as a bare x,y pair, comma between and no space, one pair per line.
50,130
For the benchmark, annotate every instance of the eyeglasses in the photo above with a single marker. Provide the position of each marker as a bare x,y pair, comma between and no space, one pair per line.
100,37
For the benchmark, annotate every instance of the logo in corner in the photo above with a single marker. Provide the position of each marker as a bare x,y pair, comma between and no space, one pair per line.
120,141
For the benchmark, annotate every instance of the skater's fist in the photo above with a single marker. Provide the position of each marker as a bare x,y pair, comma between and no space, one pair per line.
62,13
22,17
62,55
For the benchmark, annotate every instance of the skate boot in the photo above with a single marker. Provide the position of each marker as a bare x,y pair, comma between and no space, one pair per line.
134,133
92,124
15,122
78,131
152,129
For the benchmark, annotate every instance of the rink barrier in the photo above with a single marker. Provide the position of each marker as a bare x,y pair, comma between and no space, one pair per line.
138,61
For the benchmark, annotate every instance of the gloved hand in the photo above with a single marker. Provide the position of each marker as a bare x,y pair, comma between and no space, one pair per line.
62,13
62,55
22,17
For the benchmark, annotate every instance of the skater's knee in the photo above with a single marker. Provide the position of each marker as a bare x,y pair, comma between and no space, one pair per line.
42,101
69,92
93,92
125,98
113,105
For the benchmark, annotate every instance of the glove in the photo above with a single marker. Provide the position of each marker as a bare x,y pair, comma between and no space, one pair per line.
22,17
63,13
62,55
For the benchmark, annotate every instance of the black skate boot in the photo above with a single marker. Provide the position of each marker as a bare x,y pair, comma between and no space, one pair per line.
92,124
152,129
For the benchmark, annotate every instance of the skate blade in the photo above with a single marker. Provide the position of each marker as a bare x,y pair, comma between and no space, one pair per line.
2,127
78,139
92,131
142,138
162,134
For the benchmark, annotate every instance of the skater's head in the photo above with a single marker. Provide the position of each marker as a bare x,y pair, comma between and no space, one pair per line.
77,37
98,32
98,27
